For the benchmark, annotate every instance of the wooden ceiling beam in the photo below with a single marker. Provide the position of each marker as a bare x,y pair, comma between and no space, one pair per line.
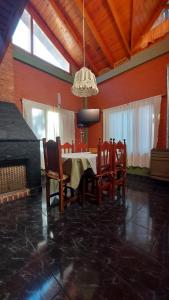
154,16
96,34
131,24
119,27
72,30
34,13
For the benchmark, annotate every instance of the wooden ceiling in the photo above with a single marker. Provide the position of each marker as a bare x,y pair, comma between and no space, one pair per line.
113,28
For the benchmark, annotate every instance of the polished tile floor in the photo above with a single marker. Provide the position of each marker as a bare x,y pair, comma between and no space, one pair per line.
119,251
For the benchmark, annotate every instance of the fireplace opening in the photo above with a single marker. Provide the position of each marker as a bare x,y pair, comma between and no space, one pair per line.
12,176
19,155
13,180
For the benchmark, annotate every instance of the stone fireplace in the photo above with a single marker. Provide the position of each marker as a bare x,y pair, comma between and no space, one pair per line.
19,155
12,176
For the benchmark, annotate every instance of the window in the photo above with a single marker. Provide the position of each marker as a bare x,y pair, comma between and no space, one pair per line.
137,122
53,126
38,122
22,34
43,48
164,16
159,29
41,45
48,121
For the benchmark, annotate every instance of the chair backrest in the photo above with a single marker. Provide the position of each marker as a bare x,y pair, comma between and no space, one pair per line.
52,156
67,147
104,157
119,154
81,147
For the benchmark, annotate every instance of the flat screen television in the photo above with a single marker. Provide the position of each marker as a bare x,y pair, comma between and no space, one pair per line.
87,117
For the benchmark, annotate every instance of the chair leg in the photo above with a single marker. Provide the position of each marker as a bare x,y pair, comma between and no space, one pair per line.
61,196
48,191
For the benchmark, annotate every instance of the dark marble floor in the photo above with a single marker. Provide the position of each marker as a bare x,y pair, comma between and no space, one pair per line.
119,251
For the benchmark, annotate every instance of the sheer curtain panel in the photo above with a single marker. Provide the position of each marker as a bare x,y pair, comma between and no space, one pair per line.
138,123
49,121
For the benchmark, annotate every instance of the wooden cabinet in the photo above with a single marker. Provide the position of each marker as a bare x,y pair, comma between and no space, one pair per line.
159,168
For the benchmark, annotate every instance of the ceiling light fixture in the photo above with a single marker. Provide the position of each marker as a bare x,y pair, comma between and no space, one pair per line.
84,81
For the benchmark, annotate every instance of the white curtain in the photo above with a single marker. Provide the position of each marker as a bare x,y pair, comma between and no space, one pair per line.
138,123
67,126
49,121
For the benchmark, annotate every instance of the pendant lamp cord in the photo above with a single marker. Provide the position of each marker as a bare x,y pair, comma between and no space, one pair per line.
84,49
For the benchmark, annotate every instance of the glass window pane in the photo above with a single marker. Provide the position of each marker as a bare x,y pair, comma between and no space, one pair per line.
38,122
22,34
43,48
164,16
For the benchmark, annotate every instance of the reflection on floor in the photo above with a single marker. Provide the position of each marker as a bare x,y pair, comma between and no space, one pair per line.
119,251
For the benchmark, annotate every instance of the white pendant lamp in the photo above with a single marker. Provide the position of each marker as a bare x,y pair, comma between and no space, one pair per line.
84,81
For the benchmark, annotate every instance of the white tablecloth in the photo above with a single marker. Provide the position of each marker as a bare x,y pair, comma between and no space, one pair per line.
86,155
80,161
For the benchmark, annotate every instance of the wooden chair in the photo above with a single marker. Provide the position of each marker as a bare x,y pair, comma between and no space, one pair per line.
54,170
119,156
102,181
67,147
81,147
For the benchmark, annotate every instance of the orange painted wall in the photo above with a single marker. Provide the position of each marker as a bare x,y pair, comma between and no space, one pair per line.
146,80
38,86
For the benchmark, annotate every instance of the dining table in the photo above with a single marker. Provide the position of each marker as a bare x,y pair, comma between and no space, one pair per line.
75,164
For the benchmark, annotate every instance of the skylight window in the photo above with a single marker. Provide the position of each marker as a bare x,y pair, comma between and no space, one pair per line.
43,48
41,45
22,34
164,16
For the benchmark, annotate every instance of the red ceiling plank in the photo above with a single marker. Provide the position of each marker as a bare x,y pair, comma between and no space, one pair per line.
160,6
97,36
116,19
72,30
131,24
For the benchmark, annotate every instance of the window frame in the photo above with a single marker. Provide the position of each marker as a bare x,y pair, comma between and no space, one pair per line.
31,33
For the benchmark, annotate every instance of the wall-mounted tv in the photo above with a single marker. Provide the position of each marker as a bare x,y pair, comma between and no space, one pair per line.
87,117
